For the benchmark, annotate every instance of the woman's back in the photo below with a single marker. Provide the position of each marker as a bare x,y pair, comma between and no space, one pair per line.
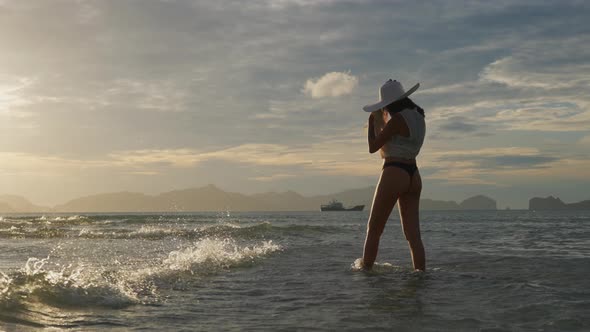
407,147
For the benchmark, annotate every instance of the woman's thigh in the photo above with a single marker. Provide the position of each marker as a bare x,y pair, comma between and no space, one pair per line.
409,207
392,183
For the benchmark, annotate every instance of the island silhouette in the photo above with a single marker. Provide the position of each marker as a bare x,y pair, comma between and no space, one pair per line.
554,203
212,198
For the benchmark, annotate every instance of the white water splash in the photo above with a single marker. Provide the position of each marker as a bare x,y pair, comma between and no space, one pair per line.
5,282
211,254
376,268
79,286
65,287
154,231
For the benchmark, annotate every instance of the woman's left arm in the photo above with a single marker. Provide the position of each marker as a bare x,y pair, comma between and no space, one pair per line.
391,128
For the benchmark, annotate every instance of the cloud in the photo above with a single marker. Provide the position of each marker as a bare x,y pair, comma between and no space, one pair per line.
543,114
508,161
338,157
165,95
273,177
33,165
551,64
585,141
500,166
282,4
334,84
11,92
541,85
461,124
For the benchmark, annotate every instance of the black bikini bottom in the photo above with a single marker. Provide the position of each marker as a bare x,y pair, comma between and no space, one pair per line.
410,168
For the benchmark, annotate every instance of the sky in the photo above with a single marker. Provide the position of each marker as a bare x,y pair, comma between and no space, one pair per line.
266,95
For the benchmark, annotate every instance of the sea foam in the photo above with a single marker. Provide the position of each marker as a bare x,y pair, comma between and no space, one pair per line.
41,281
377,268
212,254
66,287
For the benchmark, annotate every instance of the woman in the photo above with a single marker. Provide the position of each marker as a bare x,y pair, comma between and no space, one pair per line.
399,141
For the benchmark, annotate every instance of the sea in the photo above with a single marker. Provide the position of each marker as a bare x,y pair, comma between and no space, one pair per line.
505,270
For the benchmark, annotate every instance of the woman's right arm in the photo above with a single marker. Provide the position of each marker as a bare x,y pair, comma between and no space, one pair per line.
375,128
376,141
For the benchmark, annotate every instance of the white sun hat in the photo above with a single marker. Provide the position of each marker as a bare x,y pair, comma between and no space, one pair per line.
390,92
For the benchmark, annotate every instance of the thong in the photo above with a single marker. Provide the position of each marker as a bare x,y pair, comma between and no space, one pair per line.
410,168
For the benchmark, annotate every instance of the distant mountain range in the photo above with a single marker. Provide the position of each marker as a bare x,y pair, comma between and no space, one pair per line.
13,203
211,198
554,203
479,202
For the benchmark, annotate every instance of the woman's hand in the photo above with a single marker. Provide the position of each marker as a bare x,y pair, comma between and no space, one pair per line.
378,120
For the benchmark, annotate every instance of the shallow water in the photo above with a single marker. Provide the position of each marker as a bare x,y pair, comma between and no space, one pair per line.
487,271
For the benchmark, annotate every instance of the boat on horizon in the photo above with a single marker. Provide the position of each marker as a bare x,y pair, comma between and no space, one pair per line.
334,205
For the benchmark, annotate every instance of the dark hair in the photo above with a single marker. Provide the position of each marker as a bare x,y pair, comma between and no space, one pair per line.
402,104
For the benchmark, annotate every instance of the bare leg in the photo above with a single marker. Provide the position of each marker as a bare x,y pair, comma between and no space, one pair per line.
409,206
393,181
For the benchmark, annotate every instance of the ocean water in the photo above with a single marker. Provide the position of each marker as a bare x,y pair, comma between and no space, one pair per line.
486,271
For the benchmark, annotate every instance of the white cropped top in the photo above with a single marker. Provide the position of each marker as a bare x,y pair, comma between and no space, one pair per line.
406,147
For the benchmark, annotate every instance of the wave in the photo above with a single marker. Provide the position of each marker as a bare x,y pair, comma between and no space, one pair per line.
41,282
147,232
66,219
162,231
62,218
206,257
213,254
38,232
68,287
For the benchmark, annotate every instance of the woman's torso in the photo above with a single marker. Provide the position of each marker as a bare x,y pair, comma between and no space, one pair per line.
405,149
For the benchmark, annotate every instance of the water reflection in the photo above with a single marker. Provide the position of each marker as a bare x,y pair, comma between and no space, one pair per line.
399,294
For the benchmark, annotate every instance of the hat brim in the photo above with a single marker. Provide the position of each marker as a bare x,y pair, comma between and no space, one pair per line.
383,103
